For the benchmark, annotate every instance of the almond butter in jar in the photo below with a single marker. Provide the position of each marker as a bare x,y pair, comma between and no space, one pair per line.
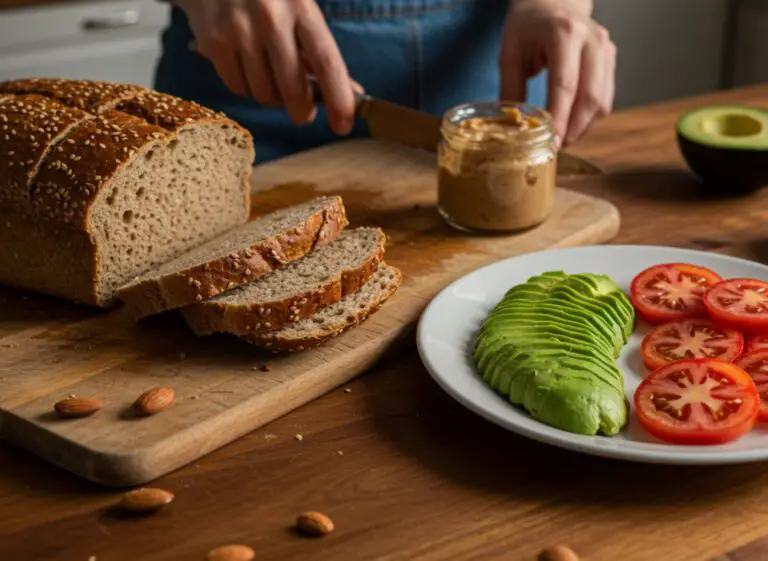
497,167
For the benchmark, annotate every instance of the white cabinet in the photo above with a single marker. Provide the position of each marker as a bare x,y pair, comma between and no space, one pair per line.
100,40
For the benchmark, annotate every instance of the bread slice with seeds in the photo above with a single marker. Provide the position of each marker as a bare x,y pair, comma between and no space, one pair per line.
237,257
296,291
349,312
113,192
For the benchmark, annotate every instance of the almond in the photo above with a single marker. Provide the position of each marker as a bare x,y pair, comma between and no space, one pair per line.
558,553
77,407
146,499
314,523
154,400
232,552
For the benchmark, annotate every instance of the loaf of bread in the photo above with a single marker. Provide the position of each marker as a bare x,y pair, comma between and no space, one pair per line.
237,257
102,182
294,292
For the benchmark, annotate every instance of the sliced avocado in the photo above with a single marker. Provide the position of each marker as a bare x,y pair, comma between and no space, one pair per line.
570,299
726,146
545,326
570,315
588,285
567,404
512,362
554,334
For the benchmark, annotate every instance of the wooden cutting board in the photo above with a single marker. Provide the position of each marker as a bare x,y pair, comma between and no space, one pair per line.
50,349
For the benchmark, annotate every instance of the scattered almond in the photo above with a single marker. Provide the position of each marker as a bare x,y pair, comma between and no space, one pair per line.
314,523
77,407
232,552
146,499
558,553
154,400
299,437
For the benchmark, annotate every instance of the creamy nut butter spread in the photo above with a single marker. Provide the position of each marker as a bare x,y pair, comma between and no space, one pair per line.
497,167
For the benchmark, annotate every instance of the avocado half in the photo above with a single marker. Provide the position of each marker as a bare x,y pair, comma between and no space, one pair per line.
726,146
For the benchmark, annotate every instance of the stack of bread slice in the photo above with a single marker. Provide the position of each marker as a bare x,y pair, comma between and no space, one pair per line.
287,281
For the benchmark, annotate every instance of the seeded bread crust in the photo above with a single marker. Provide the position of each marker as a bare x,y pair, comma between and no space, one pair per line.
89,95
30,126
68,182
212,316
277,343
195,284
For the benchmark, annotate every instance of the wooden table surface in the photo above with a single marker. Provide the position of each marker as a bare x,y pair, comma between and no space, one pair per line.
408,474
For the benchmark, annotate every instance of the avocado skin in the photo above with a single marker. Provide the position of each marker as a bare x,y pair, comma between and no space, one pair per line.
725,165
726,171
550,346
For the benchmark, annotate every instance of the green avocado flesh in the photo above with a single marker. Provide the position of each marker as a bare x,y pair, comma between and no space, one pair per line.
726,146
550,346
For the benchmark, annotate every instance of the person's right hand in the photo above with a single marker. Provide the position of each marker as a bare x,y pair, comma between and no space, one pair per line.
265,48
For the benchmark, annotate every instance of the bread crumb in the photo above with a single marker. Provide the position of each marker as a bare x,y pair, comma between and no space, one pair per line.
270,436
340,453
299,437
347,390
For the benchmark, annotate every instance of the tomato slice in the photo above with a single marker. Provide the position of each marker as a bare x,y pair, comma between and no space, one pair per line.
671,291
690,338
756,365
740,303
756,343
697,401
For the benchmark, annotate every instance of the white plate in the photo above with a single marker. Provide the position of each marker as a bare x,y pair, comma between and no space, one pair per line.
447,327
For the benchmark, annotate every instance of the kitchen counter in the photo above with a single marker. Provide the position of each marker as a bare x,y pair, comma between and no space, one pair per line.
407,473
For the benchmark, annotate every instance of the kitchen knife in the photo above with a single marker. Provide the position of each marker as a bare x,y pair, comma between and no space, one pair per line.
417,129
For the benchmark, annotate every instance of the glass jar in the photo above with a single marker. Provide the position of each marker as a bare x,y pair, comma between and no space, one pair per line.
497,167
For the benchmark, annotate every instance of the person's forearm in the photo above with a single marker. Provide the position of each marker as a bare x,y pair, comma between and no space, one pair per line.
584,6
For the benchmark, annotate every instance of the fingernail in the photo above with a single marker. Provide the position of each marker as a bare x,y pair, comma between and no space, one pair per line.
558,142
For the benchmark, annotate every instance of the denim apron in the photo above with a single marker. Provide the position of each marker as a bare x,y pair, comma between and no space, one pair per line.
426,54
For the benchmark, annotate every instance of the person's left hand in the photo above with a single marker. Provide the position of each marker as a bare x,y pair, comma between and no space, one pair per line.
581,58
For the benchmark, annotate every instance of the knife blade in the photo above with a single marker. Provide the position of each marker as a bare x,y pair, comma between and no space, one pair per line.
394,122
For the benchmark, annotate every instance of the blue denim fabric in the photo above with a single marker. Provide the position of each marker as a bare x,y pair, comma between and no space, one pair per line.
426,54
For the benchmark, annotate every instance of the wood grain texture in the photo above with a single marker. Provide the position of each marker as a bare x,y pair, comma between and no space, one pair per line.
220,392
421,478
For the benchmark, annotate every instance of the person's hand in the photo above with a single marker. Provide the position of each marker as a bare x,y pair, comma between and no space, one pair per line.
581,58
266,48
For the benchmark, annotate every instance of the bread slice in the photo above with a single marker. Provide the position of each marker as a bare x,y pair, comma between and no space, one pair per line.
296,291
237,257
334,320
114,193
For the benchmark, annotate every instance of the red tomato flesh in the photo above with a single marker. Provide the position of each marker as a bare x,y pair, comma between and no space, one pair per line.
739,303
690,338
756,343
756,365
697,401
671,291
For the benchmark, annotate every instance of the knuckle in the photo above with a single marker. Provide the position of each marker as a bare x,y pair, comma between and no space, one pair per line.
567,25
601,34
